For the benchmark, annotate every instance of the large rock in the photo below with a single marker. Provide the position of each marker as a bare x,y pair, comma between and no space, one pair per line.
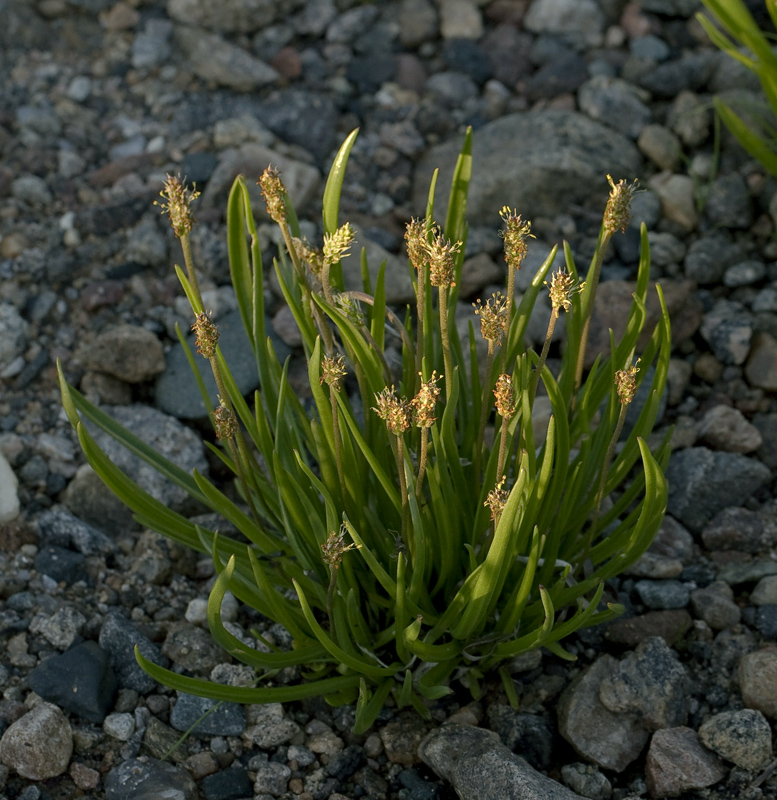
703,482
539,162
480,767
229,16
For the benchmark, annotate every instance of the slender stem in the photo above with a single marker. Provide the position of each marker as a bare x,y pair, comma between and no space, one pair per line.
588,308
535,378
420,302
189,262
338,442
500,464
509,314
325,283
446,342
422,461
330,601
484,406
403,492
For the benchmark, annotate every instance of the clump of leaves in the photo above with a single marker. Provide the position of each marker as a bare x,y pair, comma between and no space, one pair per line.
737,34
410,529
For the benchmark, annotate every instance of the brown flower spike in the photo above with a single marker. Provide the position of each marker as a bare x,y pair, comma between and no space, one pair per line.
395,412
273,191
206,334
493,318
618,212
333,372
505,396
561,287
442,263
178,204
515,233
626,383
424,402
224,421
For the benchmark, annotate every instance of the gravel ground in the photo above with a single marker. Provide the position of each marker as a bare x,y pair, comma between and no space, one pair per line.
99,100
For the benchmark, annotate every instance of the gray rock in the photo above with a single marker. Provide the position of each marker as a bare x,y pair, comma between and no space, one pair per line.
536,183
615,103
745,273
481,768
678,201
226,720
267,727
761,366
743,737
579,21
677,762
39,745
586,780
32,190
715,605
528,735
709,257
651,683
192,648
272,778
729,203
725,428
212,58
60,628
765,591
230,16
690,72
662,595
58,526
737,528
418,22
128,352
149,779
118,637
9,497
703,482
661,146
609,739
151,46
14,332
757,674
671,8
146,244
737,573
169,437
728,329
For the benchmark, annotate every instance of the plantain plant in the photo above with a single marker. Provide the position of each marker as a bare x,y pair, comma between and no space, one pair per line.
408,530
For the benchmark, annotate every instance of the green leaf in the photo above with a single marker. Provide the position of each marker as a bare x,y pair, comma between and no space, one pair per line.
334,183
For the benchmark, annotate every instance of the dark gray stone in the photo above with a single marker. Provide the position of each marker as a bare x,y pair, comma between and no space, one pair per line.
688,73
662,595
345,762
564,157
119,636
224,719
528,735
176,388
480,767
80,680
149,779
703,482
59,527
709,257
228,784
60,564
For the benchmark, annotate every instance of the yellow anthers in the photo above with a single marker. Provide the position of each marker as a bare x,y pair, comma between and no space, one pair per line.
336,244
505,396
424,402
395,412
206,334
333,372
626,383
224,421
618,211
273,191
496,500
350,308
442,263
561,288
516,232
334,547
178,200
312,255
493,318
417,244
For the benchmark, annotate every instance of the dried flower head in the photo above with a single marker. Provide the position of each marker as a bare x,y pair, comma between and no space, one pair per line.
393,410
349,307
224,421
561,288
312,255
493,318
496,500
274,192
626,383
334,547
333,372
206,334
618,211
424,402
415,238
336,244
178,200
505,396
515,233
442,262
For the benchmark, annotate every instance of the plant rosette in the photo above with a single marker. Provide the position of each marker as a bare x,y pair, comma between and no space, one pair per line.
407,530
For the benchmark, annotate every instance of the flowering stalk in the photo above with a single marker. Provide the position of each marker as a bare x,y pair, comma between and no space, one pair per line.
493,325
442,273
423,416
561,287
335,248
617,215
332,551
515,233
626,388
332,374
417,252
506,404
